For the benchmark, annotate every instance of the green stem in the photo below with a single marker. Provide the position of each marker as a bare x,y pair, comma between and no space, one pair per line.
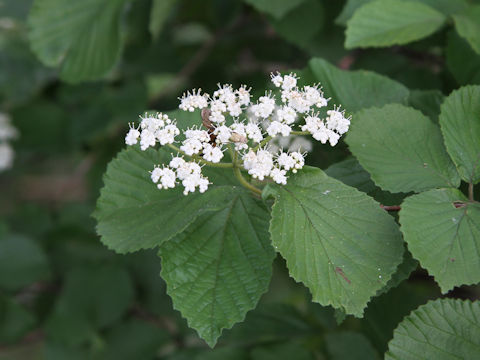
244,182
470,191
299,133
238,173
200,160
262,143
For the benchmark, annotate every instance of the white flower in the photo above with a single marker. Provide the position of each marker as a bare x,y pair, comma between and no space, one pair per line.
6,156
147,139
217,106
286,161
296,100
234,109
277,79
264,107
276,128
336,121
194,100
225,94
286,115
132,136
176,162
191,146
259,165
223,134
253,132
213,154
314,96
298,159
289,82
243,95
217,117
278,176
165,175
167,134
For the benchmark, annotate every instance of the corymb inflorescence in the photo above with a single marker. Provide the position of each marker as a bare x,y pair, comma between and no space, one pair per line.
254,133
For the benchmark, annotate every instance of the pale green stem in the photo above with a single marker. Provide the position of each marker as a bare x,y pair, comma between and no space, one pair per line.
299,133
238,173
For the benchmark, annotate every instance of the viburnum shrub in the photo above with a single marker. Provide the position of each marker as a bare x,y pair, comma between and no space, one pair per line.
213,188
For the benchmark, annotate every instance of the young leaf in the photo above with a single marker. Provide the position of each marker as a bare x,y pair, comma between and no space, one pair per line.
217,269
460,124
133,214
81,36
462,61
335,239
444,238
402,149
356,90
391,22
440,329
468,26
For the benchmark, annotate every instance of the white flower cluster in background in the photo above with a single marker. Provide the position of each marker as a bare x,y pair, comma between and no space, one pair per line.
255,133
7,132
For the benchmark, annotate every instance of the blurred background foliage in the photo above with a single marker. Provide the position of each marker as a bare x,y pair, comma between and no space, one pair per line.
63,295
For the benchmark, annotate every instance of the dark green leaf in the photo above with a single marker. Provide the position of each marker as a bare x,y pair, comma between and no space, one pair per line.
133,214
160,11
460,124
349,346
468,26
22,262
401,149
336,240
356,90
391,22
217,269
81,36
441,329
445,239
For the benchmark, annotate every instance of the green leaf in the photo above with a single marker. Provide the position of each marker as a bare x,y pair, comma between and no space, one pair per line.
83,37
347,345
302,24
462,61
277,8
160,11
133,214
460,124
217,269
134,339
427,101
401,149
386,311
408,265
445,239
446,7
468,26
390,22
441,329
351,173
356,90
92,298
22,262
335,239
15,320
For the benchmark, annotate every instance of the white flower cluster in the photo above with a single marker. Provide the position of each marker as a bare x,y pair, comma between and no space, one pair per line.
329,129
263,163
153,129
230,119
188,172
7,132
